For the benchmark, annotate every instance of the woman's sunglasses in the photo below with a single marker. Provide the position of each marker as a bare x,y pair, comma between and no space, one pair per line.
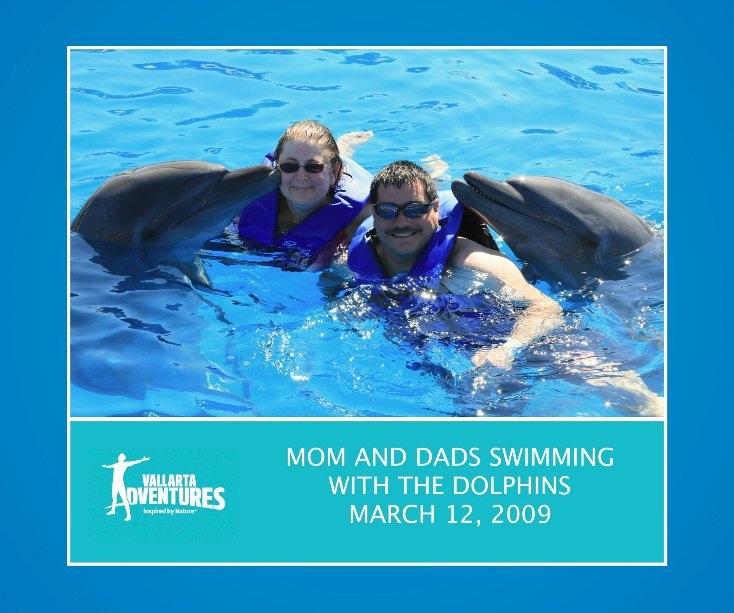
290,167
412,210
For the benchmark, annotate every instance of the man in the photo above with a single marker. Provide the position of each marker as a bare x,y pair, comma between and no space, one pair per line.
413,236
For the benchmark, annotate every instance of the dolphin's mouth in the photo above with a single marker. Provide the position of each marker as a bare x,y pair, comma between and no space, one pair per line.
514,209
476,189
503,195
504,205
524,227
475,186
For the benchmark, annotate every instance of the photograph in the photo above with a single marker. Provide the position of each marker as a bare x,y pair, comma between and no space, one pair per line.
380,309
407,232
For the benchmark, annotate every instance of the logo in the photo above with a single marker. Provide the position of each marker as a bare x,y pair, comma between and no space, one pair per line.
161,494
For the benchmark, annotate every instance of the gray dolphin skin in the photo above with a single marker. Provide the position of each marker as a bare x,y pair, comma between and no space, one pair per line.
135,324
566,233
170,204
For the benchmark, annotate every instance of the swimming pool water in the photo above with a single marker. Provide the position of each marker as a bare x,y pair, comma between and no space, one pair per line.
277,343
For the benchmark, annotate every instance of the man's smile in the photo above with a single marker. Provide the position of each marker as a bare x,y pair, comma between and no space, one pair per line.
402,233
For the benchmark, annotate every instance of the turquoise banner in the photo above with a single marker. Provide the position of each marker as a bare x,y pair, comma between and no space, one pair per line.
293,492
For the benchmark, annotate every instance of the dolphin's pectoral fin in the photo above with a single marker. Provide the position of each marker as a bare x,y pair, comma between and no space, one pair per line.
195,273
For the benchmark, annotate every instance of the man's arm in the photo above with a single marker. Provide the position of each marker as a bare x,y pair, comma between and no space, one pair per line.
539,316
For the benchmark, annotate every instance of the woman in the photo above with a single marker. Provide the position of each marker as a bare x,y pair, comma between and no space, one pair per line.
318,205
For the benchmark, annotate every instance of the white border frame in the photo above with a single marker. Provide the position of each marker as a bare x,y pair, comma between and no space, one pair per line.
664,419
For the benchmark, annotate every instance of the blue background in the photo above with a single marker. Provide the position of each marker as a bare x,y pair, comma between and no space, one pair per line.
34,171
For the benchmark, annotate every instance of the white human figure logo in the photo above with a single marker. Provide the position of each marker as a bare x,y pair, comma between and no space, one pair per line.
118,483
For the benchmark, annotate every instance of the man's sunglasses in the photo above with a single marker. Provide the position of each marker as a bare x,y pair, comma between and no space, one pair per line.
290,167
412,210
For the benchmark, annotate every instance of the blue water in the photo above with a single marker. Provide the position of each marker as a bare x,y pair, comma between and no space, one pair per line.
275,343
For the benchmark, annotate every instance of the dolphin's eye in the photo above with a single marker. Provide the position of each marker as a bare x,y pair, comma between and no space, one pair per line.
588,241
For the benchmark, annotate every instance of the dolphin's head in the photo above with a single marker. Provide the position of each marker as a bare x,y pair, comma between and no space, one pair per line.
170,204
567,233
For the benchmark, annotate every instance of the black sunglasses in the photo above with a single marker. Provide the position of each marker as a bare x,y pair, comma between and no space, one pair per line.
290,167
412,210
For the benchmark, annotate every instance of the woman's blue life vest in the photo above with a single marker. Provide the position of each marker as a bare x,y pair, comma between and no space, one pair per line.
428,267
318,236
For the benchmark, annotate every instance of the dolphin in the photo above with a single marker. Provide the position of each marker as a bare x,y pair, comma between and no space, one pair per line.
126,340
566,233
172,203
165,212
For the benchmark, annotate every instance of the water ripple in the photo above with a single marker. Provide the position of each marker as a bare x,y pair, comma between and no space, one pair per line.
158,91
417,69
230,71
647,154
244,112
93,179
464,75
641,61
638,89
366,96
539,131
605,70
569,78
311,88
433,105
604,175
272,52
133,322
121,154
368,59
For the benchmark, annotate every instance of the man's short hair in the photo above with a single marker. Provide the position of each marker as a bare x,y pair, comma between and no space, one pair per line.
402,173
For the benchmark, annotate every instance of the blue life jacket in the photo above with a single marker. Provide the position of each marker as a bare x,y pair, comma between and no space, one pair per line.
367,268
477,321
319,232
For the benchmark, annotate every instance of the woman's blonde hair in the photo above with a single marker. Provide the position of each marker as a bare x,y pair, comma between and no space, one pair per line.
312,131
